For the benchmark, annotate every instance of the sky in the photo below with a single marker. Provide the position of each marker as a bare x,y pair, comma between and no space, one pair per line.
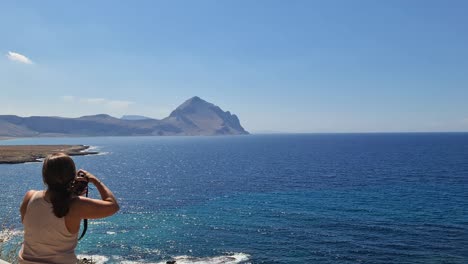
281,66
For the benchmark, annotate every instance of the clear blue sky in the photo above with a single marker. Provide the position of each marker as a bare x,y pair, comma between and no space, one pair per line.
291,66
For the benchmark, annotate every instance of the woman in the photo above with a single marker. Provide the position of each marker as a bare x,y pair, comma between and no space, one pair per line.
52,218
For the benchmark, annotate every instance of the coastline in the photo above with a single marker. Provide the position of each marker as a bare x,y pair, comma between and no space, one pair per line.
15,154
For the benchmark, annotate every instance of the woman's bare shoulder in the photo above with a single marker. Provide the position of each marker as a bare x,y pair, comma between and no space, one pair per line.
24,205
29,194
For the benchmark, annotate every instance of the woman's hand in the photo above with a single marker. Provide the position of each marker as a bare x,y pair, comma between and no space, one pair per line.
88,177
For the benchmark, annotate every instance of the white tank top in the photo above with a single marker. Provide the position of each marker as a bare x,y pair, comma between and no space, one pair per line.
46,238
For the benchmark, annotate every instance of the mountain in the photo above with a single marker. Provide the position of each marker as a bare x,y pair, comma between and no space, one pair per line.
194,117
134,117
198,117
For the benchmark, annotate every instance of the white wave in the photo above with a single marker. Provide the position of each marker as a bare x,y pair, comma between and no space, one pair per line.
92,148
98,259
96,149
97,222
102,153
8,234
229,259
234,258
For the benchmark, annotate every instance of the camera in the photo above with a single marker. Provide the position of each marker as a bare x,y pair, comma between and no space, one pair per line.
79,186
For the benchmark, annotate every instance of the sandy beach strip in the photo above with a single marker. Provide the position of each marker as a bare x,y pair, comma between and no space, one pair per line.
34,153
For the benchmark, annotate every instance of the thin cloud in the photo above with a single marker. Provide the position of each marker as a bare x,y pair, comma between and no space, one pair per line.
13,56
95,100
68,98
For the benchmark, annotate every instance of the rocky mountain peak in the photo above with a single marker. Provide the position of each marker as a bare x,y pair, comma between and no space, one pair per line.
198,115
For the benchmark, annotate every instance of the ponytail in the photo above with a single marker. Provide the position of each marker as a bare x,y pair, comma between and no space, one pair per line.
60,199
58,172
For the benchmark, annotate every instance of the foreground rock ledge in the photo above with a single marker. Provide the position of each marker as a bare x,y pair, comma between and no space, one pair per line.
34,153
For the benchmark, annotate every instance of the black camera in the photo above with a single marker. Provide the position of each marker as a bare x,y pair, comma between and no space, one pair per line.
79,186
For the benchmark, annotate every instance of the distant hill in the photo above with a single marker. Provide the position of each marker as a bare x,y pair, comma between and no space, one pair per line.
194,117
134,117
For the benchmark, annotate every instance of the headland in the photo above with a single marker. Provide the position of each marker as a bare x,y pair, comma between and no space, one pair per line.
14,154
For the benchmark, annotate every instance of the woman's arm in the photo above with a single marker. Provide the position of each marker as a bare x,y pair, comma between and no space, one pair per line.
87,208
24,204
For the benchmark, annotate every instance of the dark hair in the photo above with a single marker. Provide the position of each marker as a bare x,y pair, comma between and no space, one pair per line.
58,172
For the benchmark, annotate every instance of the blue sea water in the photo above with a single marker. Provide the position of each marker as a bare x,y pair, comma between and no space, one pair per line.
311,198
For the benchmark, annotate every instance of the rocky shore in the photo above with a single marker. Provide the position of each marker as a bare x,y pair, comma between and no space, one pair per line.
34,153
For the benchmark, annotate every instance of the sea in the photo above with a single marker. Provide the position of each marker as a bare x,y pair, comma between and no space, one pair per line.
286,198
